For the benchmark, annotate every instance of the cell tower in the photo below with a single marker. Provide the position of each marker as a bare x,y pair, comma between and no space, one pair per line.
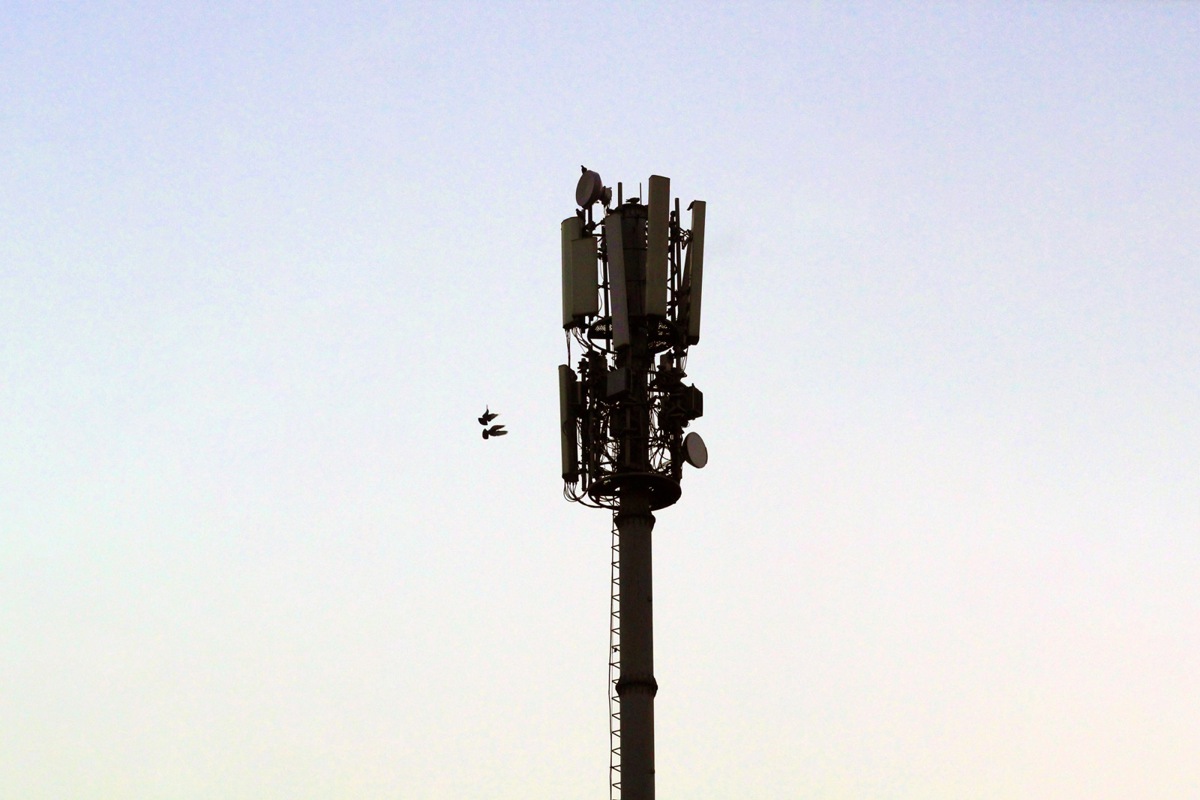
632,285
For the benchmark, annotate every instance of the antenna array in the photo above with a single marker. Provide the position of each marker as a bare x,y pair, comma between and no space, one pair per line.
632,291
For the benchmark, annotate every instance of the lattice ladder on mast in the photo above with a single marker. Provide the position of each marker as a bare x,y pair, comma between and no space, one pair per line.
614,669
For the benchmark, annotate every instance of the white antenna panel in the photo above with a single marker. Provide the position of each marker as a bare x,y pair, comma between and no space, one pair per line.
568,401
618,291
579,283
657,235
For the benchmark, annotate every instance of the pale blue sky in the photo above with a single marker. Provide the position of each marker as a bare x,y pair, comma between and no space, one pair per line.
261,267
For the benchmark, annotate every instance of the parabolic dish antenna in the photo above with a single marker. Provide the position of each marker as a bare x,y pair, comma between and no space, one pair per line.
590,189
694,450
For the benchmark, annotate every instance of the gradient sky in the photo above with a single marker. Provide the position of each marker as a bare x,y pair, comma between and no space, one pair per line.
261,266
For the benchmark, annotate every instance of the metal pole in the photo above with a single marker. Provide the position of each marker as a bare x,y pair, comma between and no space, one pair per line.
636,686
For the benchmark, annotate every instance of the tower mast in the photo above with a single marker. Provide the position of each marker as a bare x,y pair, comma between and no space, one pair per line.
631,299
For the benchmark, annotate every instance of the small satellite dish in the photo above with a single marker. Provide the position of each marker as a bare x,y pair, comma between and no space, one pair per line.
694,450
591,189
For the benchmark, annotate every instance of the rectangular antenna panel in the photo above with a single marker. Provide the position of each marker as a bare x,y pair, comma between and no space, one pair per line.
657,237
579,282
618,290
693,272
568,411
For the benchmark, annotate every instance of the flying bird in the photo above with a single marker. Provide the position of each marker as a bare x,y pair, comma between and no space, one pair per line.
495,430
487,417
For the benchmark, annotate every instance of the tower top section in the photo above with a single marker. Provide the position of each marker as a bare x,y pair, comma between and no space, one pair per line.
632,287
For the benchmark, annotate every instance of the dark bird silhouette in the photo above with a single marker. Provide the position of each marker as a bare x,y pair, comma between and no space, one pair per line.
495,430
487,417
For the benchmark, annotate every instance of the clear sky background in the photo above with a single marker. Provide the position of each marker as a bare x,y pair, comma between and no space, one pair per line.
262,265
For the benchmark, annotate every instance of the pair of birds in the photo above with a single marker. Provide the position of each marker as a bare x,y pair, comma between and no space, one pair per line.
485,421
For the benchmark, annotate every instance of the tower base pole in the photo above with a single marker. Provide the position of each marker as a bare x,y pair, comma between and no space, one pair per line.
636,686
